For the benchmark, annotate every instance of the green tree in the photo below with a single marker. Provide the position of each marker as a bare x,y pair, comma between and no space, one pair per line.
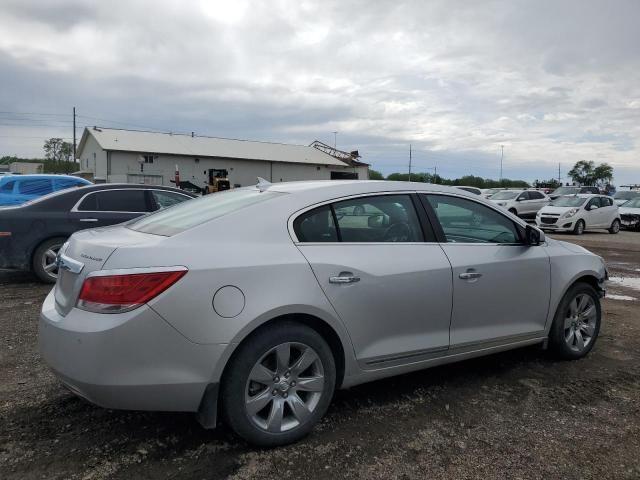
603,173
57,149
585,172
375,175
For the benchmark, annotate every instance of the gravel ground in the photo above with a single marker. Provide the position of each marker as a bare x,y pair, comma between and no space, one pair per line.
514,415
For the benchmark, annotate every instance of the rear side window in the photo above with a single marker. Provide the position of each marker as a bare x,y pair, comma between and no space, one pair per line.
115,201
200,210
533,195
35,187
316,226
64,183
8,187
372,219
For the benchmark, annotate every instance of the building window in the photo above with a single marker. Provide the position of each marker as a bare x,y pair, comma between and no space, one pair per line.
149,158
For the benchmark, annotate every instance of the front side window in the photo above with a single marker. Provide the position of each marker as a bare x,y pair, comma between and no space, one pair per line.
524,196
35,187
8,187
167,199
466,221
504,195
606,202
533,195
594,202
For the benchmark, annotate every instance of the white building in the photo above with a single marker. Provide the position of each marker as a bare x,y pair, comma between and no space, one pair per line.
113,155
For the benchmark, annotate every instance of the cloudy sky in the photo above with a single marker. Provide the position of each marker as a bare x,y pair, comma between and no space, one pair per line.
553,81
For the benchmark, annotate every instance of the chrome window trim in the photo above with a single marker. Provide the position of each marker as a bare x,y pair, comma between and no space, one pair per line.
74,209
138,270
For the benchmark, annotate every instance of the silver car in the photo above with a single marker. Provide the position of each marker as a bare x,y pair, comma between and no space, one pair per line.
255,304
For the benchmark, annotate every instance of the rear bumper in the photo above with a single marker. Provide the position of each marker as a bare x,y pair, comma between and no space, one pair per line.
132,361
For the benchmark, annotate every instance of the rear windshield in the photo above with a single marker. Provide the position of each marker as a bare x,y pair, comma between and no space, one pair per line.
568,201
504,195
186,215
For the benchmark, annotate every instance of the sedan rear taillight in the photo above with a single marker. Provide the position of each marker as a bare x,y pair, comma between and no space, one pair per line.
121,293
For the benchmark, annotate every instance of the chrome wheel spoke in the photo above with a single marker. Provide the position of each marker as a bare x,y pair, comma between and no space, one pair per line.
582,302
589,329
261,374
298,407
257,403
283,354
307,358
310,384
589,312
51,254
569,337
573,307
579,340
568,322
274,422
51,267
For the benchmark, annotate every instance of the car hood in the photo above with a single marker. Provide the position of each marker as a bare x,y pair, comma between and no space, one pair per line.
556,210
629,211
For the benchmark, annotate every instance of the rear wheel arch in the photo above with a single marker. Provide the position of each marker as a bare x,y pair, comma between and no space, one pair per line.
209,409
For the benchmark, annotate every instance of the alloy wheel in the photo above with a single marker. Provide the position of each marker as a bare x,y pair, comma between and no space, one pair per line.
580,322
284,387
49,263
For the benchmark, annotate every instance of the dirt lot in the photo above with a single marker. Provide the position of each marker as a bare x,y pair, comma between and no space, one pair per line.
513,415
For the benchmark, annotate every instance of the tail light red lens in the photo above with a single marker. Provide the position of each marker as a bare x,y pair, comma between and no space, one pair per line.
121,293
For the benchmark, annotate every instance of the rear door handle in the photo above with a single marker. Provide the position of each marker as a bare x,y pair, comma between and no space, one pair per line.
88,219
470,275
344,277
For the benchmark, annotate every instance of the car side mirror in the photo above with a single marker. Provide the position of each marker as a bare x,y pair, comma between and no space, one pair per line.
593,207
533,236
519,199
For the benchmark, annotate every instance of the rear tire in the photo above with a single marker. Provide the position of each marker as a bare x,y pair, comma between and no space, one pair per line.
576,324
579,227
615,227
43,262
270,397
513,211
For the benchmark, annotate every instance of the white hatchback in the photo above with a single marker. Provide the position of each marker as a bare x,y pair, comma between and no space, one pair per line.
523,203
577,213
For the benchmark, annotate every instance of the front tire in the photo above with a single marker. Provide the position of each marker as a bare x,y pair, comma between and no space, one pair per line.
278,385
615,227
576,324
579,228
43,262
513,211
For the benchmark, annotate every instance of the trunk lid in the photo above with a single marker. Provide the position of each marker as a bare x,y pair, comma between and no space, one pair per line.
88,251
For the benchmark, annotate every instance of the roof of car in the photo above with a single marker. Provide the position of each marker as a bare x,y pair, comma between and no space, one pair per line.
348,187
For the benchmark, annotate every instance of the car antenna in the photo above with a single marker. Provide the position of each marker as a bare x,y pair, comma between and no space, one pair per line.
263,184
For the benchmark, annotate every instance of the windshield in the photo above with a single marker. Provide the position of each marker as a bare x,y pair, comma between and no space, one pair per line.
504,195
633,203
626,195
186,215
565,190
569,202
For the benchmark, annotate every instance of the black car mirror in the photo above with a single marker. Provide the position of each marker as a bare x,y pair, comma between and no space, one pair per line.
533,236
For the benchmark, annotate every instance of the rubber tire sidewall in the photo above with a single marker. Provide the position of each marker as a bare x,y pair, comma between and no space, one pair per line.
237,371
611,229
513,211
575,229
557,343
36,260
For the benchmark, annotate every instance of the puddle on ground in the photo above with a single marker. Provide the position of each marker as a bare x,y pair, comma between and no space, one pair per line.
628,282
620,297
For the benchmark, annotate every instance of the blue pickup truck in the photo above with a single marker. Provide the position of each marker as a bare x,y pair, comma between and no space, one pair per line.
17,189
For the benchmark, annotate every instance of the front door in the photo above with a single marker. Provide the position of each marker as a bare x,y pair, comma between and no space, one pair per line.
390,288
501,286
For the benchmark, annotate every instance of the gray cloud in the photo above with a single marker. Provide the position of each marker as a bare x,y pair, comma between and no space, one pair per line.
552,81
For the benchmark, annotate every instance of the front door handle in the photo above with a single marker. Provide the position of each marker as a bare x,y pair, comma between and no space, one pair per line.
344,277
470,275
88,219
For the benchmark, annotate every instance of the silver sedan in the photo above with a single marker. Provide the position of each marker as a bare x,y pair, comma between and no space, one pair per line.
255,304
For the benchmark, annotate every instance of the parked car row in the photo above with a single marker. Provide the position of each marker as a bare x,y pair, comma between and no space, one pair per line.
31,234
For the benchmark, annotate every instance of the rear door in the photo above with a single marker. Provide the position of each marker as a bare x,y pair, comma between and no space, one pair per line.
537,200
391,289
109,207
501,286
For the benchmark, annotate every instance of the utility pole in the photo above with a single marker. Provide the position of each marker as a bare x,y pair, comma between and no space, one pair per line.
435,174
501,157
559,174
335,139
409,162
74,135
